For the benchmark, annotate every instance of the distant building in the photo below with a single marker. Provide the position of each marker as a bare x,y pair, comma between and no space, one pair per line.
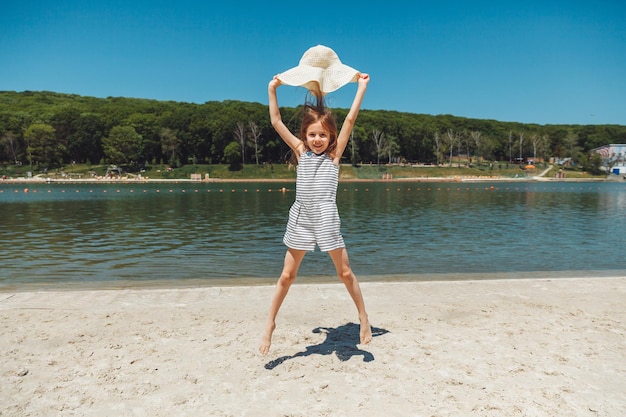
613,157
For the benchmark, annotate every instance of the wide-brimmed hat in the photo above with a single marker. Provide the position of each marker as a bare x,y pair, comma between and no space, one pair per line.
320,71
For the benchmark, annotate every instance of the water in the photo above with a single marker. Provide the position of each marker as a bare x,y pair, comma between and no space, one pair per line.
231,233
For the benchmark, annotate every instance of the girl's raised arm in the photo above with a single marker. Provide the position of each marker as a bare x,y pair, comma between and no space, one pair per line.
277,122
348,123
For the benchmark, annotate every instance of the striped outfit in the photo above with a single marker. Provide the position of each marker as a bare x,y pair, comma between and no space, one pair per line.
313,217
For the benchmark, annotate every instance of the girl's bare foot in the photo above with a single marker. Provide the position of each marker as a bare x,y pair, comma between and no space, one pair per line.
266,339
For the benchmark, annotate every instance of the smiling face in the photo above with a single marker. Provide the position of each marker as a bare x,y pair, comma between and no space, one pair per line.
317,138
318,131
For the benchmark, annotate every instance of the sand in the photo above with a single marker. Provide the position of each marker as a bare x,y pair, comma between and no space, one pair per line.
533,347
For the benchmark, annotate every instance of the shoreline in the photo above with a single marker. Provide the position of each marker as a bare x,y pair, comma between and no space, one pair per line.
501,348
177,284
274,180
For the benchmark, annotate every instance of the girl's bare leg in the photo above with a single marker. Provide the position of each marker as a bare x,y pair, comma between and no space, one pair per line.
293,258
344,271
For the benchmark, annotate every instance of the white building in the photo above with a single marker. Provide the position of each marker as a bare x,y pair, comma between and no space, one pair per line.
613,157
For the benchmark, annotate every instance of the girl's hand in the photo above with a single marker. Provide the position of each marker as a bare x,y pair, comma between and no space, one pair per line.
363,79
275,82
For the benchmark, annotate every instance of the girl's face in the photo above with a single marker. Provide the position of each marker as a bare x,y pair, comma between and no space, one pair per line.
317,138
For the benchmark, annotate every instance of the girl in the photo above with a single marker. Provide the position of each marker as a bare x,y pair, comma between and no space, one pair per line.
313,217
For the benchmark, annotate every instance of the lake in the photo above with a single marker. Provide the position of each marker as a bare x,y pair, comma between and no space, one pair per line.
221,233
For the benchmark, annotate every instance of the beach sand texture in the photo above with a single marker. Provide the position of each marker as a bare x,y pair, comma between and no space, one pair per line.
535,347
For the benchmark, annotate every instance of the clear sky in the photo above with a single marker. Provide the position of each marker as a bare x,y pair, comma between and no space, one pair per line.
532,61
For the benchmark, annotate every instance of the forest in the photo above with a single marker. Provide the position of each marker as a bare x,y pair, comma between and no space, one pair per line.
47,130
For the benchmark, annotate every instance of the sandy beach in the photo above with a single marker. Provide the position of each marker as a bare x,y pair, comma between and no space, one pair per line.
532,347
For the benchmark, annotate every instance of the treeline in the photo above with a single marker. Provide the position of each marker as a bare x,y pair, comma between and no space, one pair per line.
48,130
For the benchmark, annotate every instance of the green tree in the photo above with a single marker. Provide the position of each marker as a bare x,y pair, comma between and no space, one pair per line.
200,135
438,148
240,135
572,149
593,164
148,127
170,145
86,143
392,147
476,138
9,147
65,123
43,147
204,131
123,146
232,153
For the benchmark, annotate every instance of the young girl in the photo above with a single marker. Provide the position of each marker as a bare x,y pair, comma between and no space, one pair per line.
313,217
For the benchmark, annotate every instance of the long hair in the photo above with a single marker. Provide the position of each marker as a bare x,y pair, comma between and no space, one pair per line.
316,111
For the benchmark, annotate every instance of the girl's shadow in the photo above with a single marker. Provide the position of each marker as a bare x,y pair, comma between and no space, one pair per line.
342,341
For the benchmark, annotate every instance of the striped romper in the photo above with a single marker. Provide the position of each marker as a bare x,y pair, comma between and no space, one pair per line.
313,217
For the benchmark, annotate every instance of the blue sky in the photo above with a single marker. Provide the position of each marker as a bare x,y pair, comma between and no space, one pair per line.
545,62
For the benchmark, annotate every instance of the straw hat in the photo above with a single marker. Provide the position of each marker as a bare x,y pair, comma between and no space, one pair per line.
320,71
